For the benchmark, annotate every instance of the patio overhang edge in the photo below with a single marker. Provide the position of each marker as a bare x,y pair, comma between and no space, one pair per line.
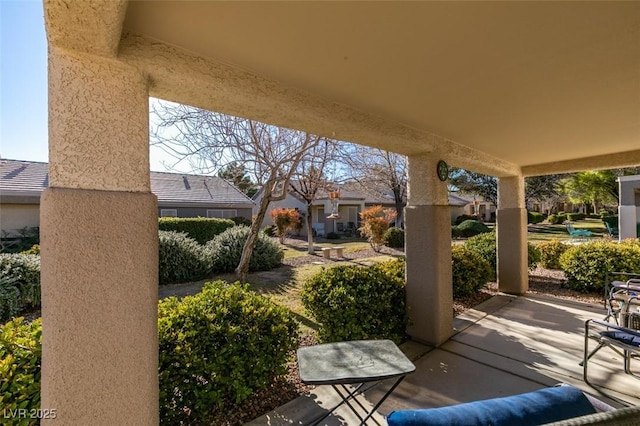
601,162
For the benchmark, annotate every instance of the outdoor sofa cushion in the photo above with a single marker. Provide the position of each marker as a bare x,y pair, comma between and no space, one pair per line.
631,339
532,408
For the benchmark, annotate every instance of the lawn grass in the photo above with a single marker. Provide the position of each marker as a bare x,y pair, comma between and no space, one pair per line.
545,232
296,247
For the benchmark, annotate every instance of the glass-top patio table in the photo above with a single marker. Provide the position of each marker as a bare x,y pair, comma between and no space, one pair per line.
356,363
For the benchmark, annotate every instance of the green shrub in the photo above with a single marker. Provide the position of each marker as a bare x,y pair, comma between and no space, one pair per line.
332,236
217,348
550,252
354,303
557,219
35,249
535,217
464,217
394,237
604,213
201,229
226,250
181,258
19,283
586,265
575,216
20,240
470,271
20,357
470,228
485,246
455,232
239,220
269,231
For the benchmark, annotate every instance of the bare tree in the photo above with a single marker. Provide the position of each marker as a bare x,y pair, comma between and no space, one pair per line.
310,179
377,172
209,141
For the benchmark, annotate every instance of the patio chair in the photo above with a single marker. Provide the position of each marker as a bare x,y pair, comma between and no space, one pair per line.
613,232
623,340
577,233
621,296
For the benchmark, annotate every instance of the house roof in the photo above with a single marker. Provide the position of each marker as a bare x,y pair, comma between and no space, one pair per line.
30,178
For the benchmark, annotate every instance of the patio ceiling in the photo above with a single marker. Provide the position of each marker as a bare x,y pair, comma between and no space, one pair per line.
494,86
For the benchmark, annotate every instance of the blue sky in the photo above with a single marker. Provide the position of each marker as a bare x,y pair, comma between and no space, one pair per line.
23,85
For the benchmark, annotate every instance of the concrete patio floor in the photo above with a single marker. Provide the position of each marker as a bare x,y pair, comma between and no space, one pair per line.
505,346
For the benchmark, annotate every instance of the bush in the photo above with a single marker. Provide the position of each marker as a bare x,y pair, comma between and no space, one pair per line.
217,348
354,303
181,258
19,283
455,232
375,222
20,240
557,219
285,221
201,229
269,231
485,246
239,220
332,236
464,217
35,249
575,216
535,217
226,250
20,358
470,271
470,228
587,265
394,237
550,252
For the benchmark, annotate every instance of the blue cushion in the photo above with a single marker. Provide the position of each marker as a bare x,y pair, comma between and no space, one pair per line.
533,408
623,336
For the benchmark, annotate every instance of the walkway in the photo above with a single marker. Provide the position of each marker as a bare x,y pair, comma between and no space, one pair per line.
505,346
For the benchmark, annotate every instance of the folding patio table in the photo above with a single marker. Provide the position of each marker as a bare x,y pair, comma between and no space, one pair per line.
353,363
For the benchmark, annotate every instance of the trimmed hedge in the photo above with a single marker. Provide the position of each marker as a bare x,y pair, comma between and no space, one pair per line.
181,258
464,217
576,216
535,217
586,265
470,271
217,348
550,252
470,228
201,229
557,219
20,359
611,220
355,303
394,238
19,283
226,250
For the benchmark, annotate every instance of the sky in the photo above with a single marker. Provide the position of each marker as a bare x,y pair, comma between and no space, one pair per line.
23,86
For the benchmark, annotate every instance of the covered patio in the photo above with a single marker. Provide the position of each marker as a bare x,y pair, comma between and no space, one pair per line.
509,89
506,346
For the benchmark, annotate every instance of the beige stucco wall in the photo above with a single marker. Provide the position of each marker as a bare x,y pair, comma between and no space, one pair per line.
17,216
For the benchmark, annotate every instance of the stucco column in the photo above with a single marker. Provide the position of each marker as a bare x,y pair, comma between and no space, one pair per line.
629,207
511,216
428,251
99,247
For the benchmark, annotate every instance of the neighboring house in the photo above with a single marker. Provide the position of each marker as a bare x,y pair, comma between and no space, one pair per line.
629,207
350,204
179,195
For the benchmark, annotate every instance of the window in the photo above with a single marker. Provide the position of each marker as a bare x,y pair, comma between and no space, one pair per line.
168,213
222,214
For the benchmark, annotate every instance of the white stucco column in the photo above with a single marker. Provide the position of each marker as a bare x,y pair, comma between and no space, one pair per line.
428,251
99,246
629,207
511,216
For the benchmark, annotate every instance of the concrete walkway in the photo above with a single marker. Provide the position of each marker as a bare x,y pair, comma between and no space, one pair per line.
507,345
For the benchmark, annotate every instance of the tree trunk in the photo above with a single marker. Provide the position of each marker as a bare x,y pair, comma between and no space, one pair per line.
243,267
311,249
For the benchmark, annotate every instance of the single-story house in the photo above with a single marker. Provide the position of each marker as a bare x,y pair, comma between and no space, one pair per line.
351,203
629,206
179,195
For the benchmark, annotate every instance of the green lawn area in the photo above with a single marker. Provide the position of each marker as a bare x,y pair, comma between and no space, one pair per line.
544,232
295,248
